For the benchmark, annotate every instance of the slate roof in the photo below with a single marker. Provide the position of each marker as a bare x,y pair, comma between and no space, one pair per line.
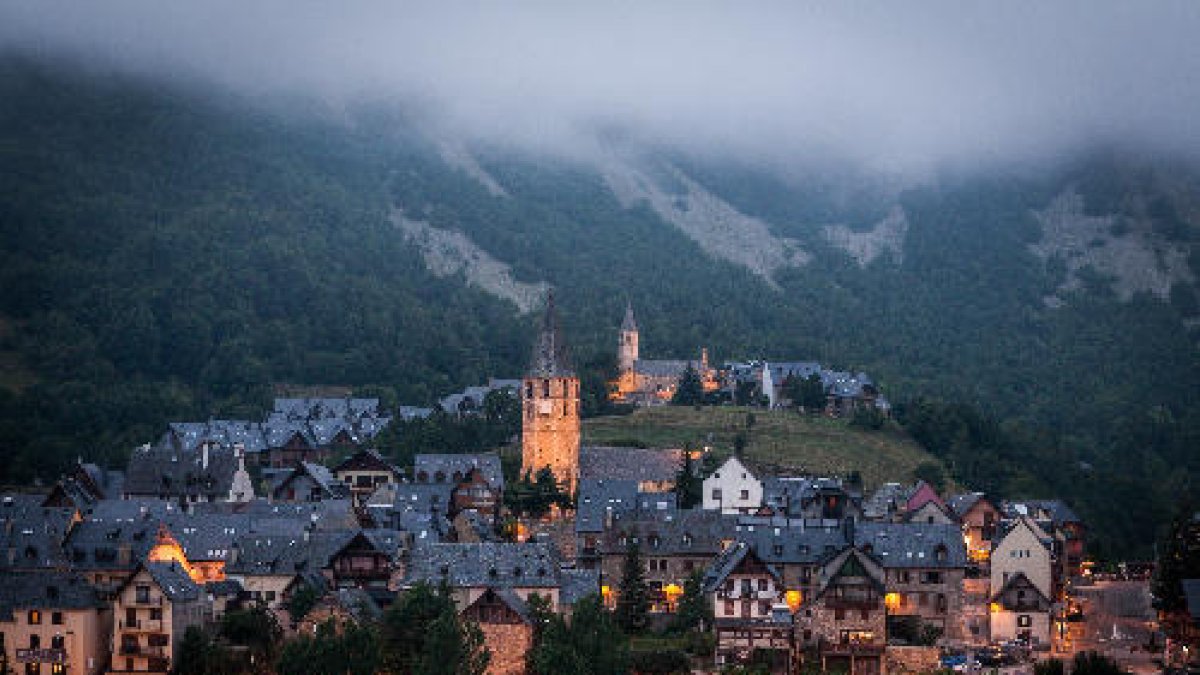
889,499
683,533
671,368
621,499
409,412
961,503
170,473
899,545
842,384
320,475
1054,510
781,370
550,356
449,464
286,554
639,464
792,545
174,582
578,584
486,564
45,590
31,533
727,562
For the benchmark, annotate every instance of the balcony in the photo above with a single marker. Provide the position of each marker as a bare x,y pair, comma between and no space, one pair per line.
141,625
148,601
142,650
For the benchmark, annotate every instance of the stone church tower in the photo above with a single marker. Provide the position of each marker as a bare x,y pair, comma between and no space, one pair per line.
550,408
627,349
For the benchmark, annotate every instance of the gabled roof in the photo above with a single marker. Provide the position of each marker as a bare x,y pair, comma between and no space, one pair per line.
850,561
506,597
550,356
320,475
366,459
960,504
691,532
729,561
1018,579
174,582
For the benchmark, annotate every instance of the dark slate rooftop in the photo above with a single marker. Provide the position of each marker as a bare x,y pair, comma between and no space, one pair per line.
1054,510
487,564
638,464
578,584
898,545
295,553
31,535
175,583
672,368
427,467
550,356
684,533
725,564
961,503
169,473
47,590
601,499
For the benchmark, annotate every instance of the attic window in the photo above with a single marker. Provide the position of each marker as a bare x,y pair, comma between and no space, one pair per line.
517,571
493,573
541,571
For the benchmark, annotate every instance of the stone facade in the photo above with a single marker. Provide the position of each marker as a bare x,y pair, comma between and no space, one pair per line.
550,409
508,643
902,660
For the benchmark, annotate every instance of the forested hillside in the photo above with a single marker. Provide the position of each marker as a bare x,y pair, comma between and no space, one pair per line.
174,255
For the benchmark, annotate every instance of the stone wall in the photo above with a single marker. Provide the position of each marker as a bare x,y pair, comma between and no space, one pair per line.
901,660
508,644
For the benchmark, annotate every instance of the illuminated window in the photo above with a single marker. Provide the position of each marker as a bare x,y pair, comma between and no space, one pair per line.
35,617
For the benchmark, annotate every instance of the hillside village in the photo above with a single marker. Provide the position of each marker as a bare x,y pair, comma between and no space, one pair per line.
108,571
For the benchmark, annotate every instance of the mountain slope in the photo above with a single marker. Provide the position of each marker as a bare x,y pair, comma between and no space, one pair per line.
173,254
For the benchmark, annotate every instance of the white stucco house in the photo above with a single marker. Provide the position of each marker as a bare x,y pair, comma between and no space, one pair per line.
733,488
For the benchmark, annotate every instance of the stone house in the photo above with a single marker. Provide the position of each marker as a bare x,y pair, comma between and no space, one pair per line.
507,628
846,621
924,566
980,519
53,622
342,606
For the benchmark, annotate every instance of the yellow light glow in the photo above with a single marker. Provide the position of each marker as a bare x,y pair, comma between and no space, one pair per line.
995,607
793,599
605,591
892,601
672,591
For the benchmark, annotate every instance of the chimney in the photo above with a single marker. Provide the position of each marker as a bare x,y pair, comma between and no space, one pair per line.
848,529
204,456
124,555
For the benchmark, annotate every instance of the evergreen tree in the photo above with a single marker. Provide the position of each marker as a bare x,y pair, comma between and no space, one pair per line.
1178,559
406,626
690,390
694,611
590,644
811,394
689,486
452,647
355,651
633,601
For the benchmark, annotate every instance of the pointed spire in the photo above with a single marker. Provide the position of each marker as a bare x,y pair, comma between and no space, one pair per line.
629,325
550,358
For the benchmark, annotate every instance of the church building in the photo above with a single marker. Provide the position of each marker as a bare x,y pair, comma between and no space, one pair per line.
550,407
652,381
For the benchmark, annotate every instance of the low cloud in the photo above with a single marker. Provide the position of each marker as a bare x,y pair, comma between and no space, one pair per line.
894,84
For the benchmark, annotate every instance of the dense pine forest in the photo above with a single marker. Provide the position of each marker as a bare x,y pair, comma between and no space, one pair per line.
173,254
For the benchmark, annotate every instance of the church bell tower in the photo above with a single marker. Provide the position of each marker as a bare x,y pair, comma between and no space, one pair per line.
627,349
550,407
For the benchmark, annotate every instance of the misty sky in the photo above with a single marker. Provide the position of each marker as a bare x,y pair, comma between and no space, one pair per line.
894,83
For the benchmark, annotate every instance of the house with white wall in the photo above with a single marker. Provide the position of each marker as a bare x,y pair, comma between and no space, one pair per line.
733,488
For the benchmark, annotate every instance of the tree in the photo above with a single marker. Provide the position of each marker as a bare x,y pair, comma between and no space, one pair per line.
301,601
534,498
633,601
694,611
590,644
689,486
740,441
452,647
199,655
1178,559
811,393
405,626
355,651
1095,663
1049,667
690,390
255,629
